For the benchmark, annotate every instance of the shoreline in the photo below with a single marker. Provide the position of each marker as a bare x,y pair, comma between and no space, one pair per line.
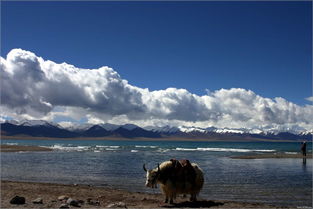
273,155
110,138
101,197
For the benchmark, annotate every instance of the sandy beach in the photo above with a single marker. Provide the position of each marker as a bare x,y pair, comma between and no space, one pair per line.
98,197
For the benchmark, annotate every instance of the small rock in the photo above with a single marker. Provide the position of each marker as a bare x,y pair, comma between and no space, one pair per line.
81,201
38,201
117,205
72,202
63,197
17,200
92,202
49,205
64,205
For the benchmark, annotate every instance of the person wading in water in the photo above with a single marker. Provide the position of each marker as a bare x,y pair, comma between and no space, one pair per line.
303,150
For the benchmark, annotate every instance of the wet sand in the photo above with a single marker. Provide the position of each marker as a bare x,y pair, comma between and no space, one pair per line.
100,197
273,155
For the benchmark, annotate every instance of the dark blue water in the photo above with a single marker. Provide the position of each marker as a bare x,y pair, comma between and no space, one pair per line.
118,164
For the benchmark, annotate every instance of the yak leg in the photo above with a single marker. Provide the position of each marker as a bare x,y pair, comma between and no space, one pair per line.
166,197
193,197
172,198
165,192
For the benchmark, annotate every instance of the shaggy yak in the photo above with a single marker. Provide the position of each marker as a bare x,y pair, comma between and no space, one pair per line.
176,177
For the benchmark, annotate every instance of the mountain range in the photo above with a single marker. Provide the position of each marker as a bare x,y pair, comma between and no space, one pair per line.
40,128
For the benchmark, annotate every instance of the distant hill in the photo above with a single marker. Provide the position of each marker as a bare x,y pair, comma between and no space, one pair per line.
46,130
39,128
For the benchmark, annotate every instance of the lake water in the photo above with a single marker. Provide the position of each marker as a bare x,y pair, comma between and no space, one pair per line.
118,164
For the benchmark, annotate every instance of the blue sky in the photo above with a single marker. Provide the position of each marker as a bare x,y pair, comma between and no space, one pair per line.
262,46
224,64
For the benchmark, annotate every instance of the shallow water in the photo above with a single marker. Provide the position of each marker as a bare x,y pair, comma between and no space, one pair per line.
118,164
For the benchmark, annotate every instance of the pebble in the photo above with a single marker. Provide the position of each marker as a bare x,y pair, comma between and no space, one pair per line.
72,202
63,197
17,200
117,205
92,202
64,205
38,201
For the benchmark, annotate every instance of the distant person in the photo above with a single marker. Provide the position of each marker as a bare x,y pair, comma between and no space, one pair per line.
303,149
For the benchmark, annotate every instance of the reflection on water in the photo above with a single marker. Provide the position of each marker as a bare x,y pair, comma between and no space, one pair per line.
277,181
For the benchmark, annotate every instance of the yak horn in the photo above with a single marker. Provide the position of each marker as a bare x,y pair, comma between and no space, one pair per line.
158,167
144,167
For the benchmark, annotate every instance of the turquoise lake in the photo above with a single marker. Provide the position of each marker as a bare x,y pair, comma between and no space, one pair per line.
118,164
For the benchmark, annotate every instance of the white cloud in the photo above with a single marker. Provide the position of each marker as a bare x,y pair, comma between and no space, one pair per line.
309,99
32,87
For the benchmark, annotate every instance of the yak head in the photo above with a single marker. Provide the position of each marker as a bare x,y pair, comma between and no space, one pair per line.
152,176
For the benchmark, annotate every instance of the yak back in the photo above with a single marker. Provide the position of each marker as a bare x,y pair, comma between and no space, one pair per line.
177,171
183,171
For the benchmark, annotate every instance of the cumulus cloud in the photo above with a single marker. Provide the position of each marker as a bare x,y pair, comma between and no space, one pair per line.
29,82
32,87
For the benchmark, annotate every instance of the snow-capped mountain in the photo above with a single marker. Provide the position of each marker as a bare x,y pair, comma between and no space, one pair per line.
48,129
164,129
129,126
34,128
79,127
106,126
109,127
209,131
187,129
33,123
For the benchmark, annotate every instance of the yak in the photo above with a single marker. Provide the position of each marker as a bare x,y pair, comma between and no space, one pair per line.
176,177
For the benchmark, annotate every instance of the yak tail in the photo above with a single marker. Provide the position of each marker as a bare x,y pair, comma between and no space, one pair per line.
199,181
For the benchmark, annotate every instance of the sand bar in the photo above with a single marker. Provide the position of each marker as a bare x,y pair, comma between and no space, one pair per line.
20,148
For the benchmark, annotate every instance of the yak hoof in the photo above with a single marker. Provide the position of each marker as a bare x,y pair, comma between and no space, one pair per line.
171,202
193,199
